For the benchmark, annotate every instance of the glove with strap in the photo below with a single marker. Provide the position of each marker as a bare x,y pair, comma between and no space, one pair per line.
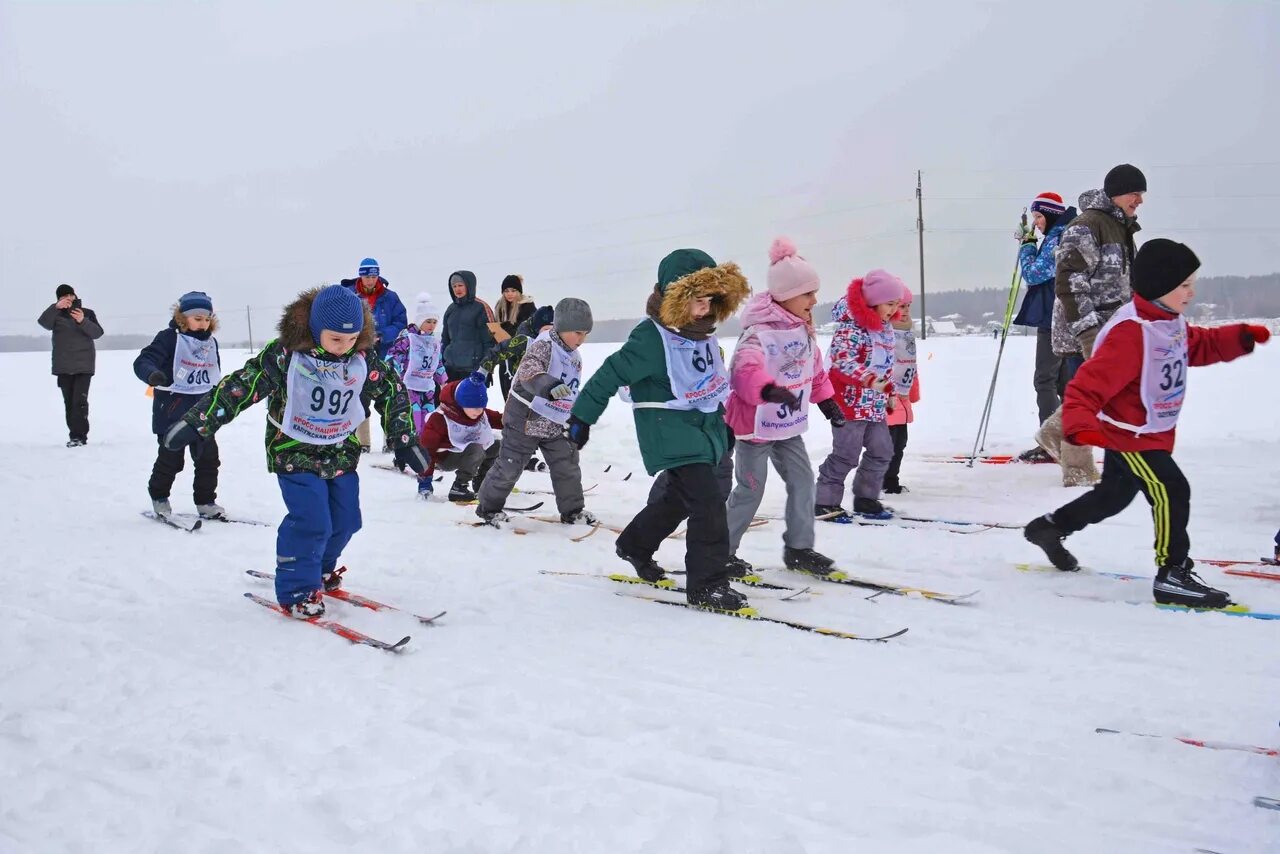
413,457
578,432
180,435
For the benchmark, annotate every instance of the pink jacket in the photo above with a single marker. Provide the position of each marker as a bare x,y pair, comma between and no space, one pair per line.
747,374
903,413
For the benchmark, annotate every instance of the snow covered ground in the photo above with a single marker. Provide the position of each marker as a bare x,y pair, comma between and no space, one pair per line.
146,706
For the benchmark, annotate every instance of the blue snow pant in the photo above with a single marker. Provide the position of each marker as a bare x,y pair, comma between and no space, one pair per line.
323,517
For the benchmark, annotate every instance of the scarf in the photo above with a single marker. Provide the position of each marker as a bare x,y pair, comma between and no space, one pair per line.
694,330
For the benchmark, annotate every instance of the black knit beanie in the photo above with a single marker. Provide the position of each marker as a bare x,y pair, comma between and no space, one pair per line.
65,291
513,281
1160,266
1124,179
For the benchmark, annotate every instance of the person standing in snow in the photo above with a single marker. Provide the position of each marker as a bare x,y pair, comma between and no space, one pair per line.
673,366
415,357
389,320
906,382
1091,282
466,336
513,309
542,396
182,364
74,329
861,359
1049,217
775,376
1126,398
318,378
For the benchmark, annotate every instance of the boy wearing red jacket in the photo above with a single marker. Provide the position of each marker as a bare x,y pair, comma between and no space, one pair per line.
459,437
1126,399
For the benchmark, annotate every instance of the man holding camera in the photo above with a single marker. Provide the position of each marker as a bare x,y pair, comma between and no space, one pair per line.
74,330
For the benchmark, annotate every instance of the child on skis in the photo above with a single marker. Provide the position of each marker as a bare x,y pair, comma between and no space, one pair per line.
543,391
318,378
1126,398
415,357
678,382
182,364
459,438
775,375
506,356
861,371
906,382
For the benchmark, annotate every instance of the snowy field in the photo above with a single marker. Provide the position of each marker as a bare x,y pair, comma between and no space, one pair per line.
146,706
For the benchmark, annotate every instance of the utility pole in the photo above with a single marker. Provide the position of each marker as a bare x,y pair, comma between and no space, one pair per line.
248,315
924,326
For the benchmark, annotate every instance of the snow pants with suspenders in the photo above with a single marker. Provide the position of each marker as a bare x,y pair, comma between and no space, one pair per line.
1124,475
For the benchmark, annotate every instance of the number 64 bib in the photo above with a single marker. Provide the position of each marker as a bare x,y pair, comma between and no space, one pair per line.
1164,369
323,399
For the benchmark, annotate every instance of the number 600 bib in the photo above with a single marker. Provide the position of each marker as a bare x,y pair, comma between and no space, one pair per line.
323,405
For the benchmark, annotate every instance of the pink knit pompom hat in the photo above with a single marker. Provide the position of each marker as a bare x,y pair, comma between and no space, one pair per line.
789,274
906,295
881,286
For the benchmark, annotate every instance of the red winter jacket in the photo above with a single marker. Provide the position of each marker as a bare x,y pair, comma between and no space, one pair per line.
1110,380
434,438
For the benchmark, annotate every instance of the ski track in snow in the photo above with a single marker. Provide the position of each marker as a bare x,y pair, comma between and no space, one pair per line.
145,706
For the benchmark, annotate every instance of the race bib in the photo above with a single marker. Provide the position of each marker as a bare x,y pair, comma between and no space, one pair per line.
424,361
788,357
1164,369
323,398
696,372
567,367
462,435
195,365
904,359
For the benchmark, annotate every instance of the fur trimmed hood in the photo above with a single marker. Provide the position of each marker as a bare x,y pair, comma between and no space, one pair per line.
179,321
295,324
854,309
724,283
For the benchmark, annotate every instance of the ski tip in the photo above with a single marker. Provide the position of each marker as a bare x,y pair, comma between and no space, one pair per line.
427,621
399,645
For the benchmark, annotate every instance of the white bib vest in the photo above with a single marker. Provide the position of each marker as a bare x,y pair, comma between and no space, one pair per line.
696,372
462,435
565,366
424,361
904,359
1163,381
882,351
323,398
788,358
195,365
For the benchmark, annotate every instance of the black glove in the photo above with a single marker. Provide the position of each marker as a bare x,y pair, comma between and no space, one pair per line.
777,394
180,435
831,410
157,378
412,456
577,432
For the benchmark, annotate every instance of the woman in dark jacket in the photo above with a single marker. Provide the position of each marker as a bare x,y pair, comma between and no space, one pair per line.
465,335
512,310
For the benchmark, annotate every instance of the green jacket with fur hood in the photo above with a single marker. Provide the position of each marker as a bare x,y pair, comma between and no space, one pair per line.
668,438
264,376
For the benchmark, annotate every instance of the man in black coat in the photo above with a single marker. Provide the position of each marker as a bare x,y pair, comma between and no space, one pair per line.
74,329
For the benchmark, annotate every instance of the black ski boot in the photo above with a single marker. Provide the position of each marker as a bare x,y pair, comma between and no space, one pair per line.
737,567
719,597
807,560
1178,585
1044,533
1035,455
871,508
646,568
332,579
492,518
833,512
461,490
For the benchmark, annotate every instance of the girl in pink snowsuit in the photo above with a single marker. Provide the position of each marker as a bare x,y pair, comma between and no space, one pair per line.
775,374
906,379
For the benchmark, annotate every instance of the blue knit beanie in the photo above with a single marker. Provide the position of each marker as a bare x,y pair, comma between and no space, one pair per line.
337,309
369,267
195,304
470,394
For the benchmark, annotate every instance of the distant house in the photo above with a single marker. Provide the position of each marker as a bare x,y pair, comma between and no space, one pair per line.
941,327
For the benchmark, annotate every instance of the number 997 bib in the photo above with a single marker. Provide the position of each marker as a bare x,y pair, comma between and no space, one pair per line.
323,399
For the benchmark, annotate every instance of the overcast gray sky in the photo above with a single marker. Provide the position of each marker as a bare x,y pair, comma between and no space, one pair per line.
253,149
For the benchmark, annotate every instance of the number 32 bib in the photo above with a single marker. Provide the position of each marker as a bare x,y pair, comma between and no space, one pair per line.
323,405
1164,369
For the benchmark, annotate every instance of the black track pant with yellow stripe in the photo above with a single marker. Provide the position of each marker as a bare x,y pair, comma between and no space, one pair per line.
1124,475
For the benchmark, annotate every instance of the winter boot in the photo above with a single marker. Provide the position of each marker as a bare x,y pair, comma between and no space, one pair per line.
582,517
332,579
364,449
425,488
646,568
461,490
76,443
306,609
1176,584
719,597
871,508
807,560
896,489
1049,436
1044,533
1035,455
737,567
492,518
161,507
833,512
211,511
535,464
1078,467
